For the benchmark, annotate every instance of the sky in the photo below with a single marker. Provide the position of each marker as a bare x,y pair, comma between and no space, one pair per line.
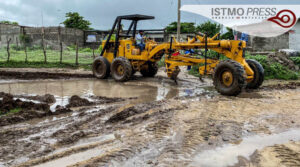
102,13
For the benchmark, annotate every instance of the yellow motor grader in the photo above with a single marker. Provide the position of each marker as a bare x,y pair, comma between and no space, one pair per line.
121,58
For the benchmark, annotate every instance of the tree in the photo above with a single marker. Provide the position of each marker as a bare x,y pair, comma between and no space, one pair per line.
228,34
74,20
186,27
9,22
210,28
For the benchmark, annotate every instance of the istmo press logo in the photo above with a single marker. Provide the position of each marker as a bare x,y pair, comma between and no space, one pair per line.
255,20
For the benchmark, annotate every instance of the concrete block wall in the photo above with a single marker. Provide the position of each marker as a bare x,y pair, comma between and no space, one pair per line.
68,36
8,31
270,44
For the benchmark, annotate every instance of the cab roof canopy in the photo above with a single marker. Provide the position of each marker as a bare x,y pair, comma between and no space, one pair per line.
136,17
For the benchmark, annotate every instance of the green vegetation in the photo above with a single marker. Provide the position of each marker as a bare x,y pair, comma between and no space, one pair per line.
9,22
185,27
273,70
36,58
74,20
161,63
12,111
208,27
296,60
228,35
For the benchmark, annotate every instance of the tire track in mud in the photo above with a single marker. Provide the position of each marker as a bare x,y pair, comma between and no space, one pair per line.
135,142
171,143
35,139
147,134
287,156
90,126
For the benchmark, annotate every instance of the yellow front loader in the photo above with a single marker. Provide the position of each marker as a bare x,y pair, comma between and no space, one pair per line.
121,58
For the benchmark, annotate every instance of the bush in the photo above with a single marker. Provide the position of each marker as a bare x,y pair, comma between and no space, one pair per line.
86,50
71,47
296,60
274,70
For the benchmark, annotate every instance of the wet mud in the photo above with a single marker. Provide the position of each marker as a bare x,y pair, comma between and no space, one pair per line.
152,122
26,110
28,75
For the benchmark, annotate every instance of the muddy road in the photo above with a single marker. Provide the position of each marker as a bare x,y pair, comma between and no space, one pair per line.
147,122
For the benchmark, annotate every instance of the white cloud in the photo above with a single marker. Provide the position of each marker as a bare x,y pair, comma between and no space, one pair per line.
101,13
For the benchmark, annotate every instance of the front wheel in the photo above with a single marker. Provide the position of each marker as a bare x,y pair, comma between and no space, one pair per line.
101,68
121,69
259,74
229,78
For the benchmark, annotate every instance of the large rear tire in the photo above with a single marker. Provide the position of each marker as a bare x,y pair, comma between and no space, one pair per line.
101,68
151,70
121,69
259,74
229,78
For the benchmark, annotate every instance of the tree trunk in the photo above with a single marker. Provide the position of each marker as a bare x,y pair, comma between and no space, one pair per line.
93,53
43,45
26,56
7,48
17,41
77,54
60,45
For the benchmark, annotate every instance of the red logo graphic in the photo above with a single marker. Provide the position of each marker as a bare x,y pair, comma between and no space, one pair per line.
284,18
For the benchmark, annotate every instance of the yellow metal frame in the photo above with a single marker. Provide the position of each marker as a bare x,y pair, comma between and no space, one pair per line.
232,49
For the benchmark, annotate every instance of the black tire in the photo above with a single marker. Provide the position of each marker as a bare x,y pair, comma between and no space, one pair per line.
101,68
121,69
237,79
151,70
259,74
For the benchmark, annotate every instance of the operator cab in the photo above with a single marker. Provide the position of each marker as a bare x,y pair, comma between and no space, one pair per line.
113,45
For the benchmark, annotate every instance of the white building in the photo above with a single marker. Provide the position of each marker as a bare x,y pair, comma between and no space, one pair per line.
294,40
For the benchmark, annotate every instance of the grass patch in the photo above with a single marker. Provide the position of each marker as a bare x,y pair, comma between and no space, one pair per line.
12,111
36,58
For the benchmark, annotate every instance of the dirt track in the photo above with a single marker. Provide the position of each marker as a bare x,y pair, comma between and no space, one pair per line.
174,125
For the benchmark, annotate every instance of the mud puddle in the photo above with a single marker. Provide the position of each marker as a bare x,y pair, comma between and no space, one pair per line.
227,155
64,89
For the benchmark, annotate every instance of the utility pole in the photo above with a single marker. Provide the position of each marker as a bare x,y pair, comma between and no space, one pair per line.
178,21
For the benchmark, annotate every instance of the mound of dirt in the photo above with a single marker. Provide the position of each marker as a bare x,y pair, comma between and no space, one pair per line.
283,59
8,103
60,110
76,101
134,110
15,111
290,85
